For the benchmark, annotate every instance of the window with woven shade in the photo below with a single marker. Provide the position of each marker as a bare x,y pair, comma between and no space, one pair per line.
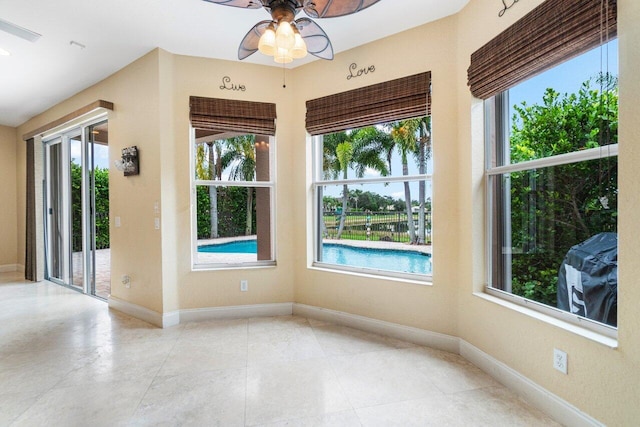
372,180
232,182
551,104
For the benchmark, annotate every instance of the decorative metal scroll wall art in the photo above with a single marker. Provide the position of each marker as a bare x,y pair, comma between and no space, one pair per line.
129,163
228,85
506,5
355,72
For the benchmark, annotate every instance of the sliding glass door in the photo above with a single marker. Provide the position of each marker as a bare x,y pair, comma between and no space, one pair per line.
77,209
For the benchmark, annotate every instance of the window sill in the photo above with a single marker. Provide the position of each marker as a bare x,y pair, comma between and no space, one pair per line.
569,327
243,266
395,277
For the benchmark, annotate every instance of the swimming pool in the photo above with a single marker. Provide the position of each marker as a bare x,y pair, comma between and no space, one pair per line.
378,259
237,247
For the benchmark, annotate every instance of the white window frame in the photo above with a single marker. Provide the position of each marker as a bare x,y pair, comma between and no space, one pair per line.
318,182
497,128
271,184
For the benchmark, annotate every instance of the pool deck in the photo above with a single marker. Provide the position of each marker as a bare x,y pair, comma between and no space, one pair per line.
425,249
238,258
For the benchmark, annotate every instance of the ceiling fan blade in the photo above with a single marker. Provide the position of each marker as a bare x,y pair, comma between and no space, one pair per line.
18,31
317,41
249,44
245,4
333,8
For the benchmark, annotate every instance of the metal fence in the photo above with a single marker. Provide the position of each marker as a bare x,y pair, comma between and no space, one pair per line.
375,226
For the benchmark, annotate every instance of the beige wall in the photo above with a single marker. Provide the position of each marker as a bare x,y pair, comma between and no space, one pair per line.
136,245
431,307
8,206
151,111
195,289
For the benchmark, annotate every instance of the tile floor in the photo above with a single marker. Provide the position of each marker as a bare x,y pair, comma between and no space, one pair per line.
67,360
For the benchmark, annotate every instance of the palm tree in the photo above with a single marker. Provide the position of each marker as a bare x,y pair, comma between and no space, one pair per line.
210,169
423,155
359,149
240,157
404,136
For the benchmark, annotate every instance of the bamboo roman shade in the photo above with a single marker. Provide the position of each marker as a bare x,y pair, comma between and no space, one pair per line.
228,115
399,99
551,33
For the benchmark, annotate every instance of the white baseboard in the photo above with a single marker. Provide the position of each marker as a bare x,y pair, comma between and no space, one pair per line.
174,318
236,311
552,405
405,333
7,268
139,312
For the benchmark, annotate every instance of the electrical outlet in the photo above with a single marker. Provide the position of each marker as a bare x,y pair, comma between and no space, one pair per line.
244,285
560,360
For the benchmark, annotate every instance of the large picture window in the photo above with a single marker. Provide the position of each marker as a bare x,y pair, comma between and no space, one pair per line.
372,183
552,174
233,188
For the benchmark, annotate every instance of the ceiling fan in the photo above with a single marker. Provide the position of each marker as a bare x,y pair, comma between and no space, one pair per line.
287,39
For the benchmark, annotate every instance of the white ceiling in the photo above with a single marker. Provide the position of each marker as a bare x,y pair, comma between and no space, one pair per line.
116,32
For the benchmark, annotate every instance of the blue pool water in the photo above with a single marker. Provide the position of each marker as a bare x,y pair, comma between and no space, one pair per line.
378,259
237,247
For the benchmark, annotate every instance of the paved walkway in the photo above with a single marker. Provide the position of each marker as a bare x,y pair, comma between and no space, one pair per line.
103,272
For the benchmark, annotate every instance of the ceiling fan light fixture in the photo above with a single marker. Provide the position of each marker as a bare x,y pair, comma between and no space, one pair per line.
284,35
267,43
283,56
299,49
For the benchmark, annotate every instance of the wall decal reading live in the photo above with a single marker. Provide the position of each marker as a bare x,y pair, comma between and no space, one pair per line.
355,72
226,84
506,5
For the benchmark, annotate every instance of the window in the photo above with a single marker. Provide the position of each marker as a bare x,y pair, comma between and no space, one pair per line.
551,144
232,184
372,180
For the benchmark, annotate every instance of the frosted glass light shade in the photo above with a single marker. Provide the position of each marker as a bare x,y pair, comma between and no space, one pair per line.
283,56
284,35
299,49
267,43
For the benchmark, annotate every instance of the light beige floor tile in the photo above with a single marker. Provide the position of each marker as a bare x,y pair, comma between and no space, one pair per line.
449,372
189,356
338,419
100,404
139,361
493,406
213,398
499,406
39,371
214,329
339,340
281,345
381,377
66,360
12,405
434,411
292,390
257,324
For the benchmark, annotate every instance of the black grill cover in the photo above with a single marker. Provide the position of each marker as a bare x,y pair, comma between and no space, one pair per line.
588,279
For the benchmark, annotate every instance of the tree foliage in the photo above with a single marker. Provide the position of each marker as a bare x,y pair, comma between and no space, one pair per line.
555,208
101,190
